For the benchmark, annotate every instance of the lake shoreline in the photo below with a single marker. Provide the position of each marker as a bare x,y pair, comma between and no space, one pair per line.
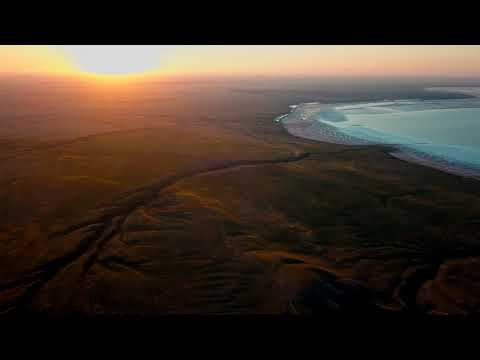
313,129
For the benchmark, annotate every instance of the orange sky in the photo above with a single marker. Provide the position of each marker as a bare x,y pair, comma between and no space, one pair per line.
244,60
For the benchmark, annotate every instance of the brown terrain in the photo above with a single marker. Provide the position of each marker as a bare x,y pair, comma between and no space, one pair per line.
191,200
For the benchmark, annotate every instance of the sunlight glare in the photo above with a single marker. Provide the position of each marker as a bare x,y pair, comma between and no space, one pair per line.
117,59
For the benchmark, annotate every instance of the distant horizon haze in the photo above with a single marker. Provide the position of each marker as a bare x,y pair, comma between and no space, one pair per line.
114,61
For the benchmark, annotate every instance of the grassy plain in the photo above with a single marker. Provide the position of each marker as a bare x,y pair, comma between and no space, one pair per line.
208,206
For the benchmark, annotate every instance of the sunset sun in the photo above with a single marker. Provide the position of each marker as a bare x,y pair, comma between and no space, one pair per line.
117,59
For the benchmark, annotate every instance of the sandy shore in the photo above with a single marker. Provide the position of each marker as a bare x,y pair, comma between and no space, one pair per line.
436,164
300,123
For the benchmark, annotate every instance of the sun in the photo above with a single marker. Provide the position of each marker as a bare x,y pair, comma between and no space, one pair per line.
117,60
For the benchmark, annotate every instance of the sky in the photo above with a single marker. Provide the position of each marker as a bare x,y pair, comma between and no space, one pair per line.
252,60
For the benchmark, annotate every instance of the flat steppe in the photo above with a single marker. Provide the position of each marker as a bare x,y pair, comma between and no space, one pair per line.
189,199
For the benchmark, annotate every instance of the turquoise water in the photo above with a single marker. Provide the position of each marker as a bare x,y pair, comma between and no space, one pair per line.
442,130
